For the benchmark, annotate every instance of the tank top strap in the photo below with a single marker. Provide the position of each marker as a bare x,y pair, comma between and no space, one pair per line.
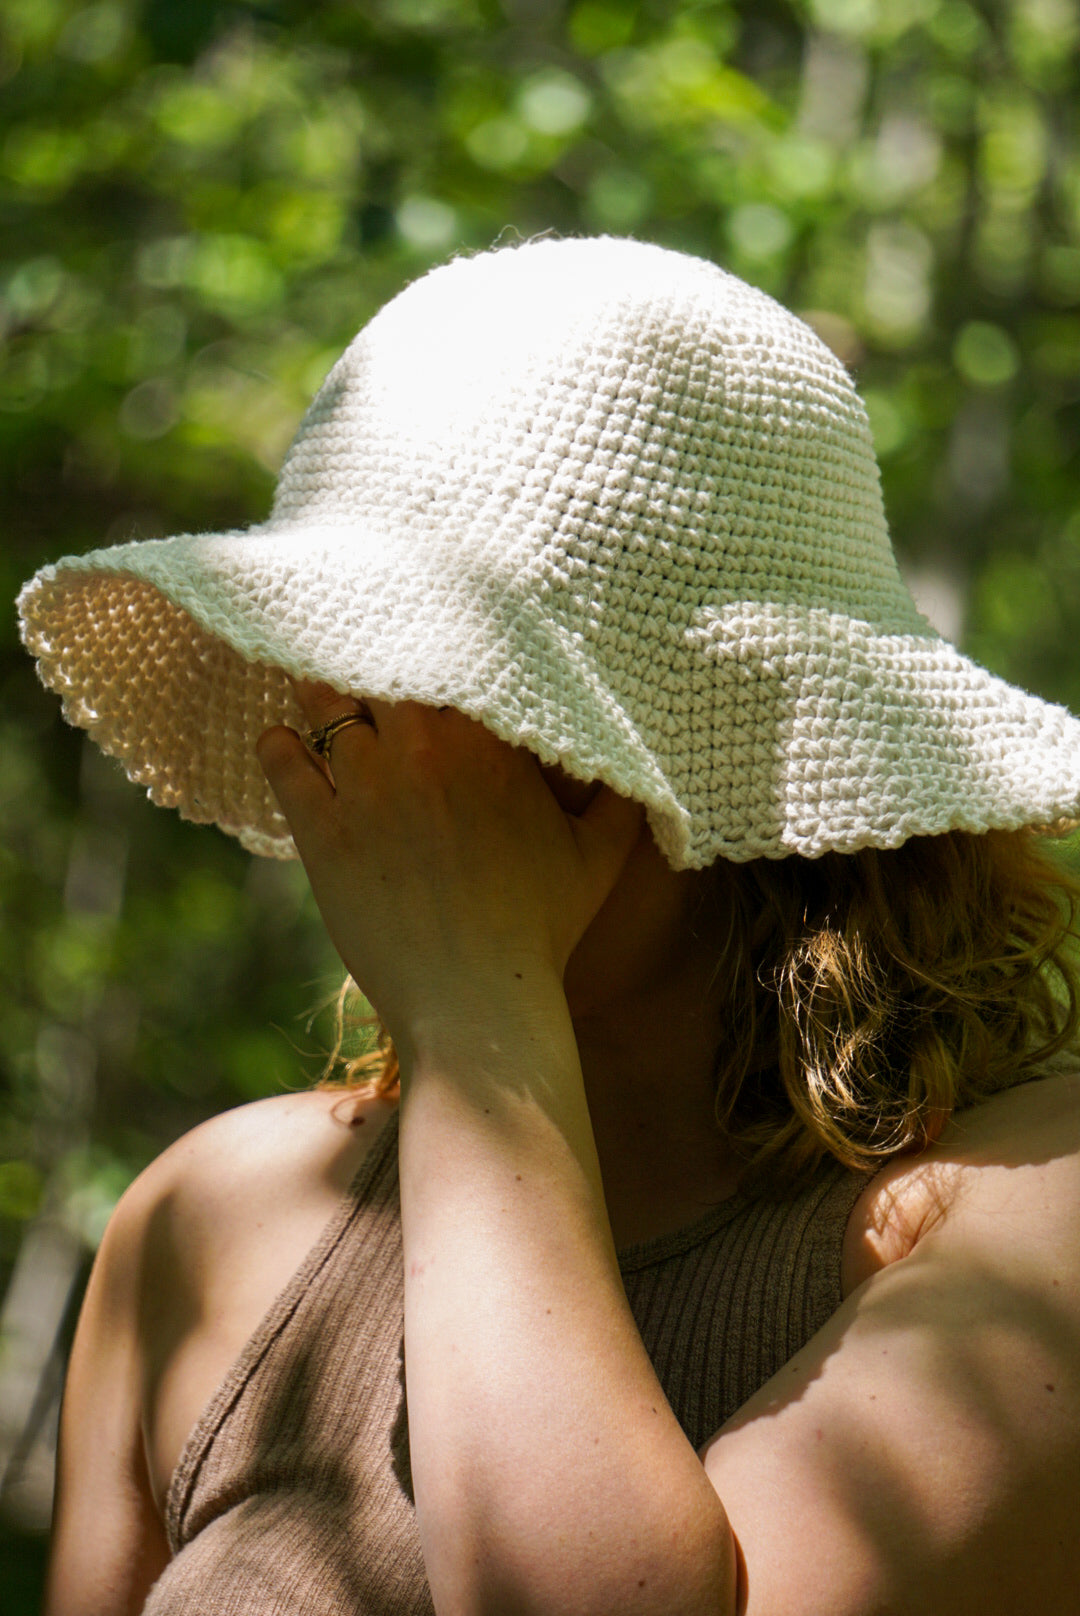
374,1184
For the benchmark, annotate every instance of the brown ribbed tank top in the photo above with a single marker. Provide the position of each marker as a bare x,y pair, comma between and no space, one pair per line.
293,1494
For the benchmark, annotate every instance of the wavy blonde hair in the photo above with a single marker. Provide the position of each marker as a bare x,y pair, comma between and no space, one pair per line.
868,995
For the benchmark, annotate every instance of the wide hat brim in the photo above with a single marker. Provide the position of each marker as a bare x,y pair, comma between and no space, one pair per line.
818,732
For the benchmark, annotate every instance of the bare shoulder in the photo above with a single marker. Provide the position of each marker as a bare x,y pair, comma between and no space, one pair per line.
1016,1156
248,1159
207,1230
279,1132
222,1217
226,1162
926,1441
191,1216
1025,1126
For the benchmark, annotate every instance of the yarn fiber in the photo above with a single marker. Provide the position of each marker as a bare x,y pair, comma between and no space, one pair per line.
615,504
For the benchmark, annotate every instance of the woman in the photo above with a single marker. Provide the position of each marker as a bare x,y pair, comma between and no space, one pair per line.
722,1252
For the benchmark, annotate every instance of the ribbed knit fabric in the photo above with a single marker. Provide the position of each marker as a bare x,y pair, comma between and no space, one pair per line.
293,1496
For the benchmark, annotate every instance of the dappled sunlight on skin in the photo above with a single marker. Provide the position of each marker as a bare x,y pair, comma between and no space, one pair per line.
906,1200
928,1430
914,1196
879,1483
909,1464
981,1137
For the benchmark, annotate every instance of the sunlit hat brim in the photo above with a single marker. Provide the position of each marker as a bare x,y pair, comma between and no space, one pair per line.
812,731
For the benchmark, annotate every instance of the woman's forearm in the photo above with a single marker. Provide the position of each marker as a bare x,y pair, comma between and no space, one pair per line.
550,1474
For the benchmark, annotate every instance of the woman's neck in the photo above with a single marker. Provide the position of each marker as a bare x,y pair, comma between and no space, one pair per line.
648,1065
648,1019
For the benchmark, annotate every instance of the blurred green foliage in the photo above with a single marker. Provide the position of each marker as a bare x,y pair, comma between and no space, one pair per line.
201,201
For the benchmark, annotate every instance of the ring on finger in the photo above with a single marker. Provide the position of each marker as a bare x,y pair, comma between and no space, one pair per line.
321,739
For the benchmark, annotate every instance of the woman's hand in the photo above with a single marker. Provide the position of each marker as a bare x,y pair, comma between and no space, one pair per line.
438,856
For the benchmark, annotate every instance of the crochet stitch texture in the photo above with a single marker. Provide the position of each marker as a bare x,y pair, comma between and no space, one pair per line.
617,505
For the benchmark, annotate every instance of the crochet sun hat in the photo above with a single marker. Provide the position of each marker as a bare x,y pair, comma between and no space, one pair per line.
615,504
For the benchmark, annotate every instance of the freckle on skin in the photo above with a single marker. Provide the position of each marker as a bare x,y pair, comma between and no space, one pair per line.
1049,1386
518,1177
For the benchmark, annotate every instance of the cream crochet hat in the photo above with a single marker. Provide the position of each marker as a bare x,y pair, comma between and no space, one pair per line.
615,504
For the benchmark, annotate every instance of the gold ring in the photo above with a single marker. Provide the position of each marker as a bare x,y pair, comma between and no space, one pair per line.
321,739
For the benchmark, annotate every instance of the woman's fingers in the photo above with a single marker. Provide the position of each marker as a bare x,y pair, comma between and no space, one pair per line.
335,721
321,702
294,775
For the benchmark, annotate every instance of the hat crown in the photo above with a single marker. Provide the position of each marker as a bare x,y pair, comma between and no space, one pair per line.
567,392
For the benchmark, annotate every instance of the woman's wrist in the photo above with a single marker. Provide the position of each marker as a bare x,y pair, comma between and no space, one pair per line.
480,1025
500,1070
